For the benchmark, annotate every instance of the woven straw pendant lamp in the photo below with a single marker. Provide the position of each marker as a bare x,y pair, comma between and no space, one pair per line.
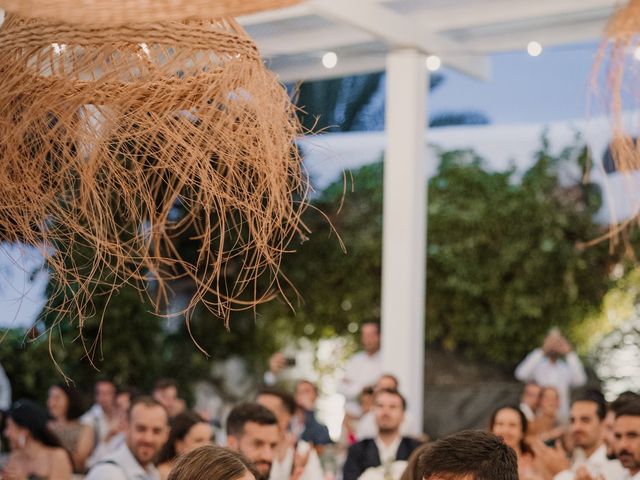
115,141
616,77
124,12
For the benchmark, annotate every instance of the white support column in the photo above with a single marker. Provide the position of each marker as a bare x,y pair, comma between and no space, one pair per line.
404,225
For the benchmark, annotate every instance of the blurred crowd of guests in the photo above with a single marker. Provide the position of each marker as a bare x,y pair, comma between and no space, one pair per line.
275,435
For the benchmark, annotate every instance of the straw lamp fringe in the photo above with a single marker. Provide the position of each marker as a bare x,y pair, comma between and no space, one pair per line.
115,142
616,88
125,12
615,80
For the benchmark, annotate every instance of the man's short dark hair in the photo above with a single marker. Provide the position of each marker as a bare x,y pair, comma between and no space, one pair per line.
244,413
164,383
475,453
287,399
395,392
595,396
631,408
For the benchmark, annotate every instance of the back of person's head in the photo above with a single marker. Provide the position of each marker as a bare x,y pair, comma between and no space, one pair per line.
472,455
244,413
29,415
212,462
595,396
412,471
288,401
180,425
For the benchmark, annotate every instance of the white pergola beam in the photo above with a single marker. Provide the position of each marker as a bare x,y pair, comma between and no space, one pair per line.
399,32
548,36
303,41
505,11
312,69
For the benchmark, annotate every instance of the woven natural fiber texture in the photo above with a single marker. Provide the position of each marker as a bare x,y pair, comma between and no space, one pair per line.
114,142
617,82
124,12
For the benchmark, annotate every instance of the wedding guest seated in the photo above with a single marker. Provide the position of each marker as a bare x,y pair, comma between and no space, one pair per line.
36,453
510,424
188,432
304,424
384,456
65,408
547,425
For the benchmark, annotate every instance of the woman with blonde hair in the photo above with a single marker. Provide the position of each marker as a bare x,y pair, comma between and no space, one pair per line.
213,462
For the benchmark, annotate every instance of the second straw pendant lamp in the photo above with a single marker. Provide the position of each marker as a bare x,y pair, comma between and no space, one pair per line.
616,77
117,139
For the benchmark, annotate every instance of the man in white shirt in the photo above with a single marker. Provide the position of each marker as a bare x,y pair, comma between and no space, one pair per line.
147,432
554,365
587,431
103,417
627,438
363,369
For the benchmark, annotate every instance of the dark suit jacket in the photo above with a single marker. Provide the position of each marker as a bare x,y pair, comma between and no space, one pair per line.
314,431
364,454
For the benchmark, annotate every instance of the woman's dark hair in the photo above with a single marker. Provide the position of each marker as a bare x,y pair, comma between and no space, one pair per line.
524,424
211,462
28,414
75,407
181,424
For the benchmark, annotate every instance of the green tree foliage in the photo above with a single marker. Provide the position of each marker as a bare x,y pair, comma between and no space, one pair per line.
505,261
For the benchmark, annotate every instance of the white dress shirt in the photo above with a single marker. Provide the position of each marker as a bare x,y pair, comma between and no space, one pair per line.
597,464
122,465
562,374
387,453
362,370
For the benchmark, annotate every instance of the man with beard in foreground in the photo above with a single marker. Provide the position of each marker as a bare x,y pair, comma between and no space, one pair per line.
253,431
627,438
147,431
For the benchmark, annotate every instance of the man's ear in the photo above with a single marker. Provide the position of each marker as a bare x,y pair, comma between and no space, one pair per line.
232,442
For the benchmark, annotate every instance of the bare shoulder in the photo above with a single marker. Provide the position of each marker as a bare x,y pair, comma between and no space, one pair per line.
60,458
